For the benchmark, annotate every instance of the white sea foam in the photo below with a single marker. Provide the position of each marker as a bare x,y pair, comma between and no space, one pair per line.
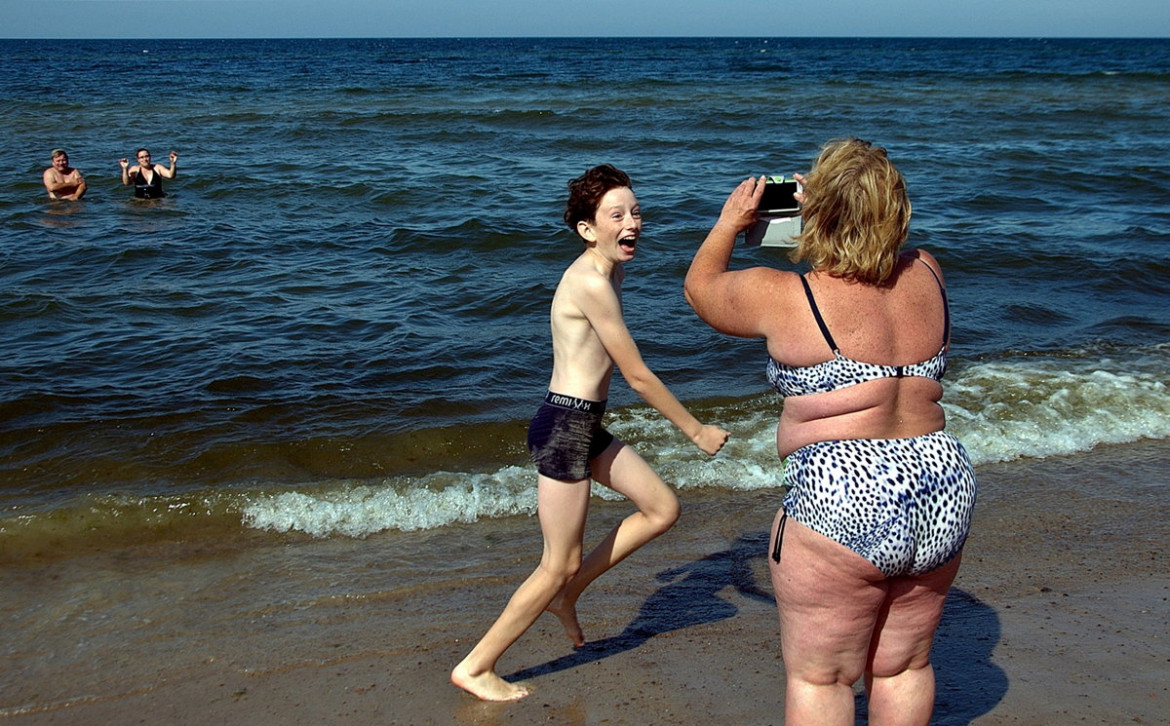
1038,408
1002,410
432,501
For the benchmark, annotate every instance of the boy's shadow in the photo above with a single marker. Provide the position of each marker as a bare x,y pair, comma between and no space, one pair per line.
968,683
692,600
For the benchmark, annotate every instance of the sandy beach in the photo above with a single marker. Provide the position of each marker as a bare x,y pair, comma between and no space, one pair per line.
262,442
1057,617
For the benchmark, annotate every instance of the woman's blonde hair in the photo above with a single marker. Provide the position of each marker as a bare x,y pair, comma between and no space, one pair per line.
856,213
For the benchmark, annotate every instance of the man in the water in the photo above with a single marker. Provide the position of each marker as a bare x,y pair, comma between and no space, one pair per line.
61,180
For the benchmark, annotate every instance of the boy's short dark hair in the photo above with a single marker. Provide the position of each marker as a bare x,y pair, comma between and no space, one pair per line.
586,191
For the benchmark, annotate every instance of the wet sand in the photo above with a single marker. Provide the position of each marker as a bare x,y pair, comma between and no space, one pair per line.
1058,616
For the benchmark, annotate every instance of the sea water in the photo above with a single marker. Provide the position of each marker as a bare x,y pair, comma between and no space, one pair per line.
336,322
276,419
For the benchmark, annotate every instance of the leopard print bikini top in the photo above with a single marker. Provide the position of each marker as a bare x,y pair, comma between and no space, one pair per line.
841,371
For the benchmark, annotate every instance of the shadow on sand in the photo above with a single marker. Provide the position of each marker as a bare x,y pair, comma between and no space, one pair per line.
968,683
690,598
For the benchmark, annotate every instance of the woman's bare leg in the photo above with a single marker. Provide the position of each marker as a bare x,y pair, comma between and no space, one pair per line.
829,599
900,678
561,507
620,468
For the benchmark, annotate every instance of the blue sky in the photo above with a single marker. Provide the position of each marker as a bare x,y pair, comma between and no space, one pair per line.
162,19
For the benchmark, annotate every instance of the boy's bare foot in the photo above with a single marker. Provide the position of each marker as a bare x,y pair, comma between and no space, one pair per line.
487,686
568,618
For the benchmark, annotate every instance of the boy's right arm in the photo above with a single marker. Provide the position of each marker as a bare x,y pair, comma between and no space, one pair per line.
598,301
711,439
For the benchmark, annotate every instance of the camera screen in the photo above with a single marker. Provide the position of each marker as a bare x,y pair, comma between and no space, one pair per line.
778,197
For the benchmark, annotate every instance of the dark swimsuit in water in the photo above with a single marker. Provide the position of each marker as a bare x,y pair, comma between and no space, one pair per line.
903,504
153,190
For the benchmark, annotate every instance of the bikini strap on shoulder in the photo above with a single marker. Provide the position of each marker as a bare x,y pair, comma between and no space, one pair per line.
812,303
946,303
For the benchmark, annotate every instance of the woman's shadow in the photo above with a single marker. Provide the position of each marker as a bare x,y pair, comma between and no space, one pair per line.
968,683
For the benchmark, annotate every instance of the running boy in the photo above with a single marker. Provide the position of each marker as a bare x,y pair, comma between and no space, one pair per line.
567,442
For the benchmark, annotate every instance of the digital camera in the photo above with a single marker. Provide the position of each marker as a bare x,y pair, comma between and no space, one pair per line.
779,211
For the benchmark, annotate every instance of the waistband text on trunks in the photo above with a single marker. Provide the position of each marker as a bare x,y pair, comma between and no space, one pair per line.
573,403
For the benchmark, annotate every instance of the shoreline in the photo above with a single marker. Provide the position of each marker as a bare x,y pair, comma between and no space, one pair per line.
1057,616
